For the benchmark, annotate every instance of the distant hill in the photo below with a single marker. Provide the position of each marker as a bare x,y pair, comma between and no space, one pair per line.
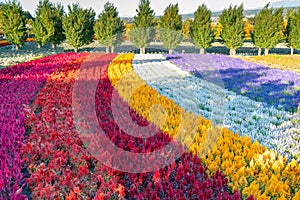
285,3
250,12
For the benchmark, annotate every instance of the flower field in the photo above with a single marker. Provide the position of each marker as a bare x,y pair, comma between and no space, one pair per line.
285,62
148,126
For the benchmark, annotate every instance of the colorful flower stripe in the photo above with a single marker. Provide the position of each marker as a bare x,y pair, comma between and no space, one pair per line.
272,86
18,86
60,166
250,167
284,62
269,126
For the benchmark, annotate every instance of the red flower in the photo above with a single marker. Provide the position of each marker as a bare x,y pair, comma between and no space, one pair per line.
1,184
121,190
156,177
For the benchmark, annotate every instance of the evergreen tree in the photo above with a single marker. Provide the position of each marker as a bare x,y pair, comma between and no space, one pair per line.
171,24
78,26
59,36
268,26
12,22
156,22
232,23
43,26
109,28
202,32
143,27
293,30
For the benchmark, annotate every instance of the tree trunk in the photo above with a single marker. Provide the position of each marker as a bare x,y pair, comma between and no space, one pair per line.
17,47
232,52
266,52
112,49
144,50
76,50
39,45
107,49
202,51
53,46
292,51
170,51
141,50
259,51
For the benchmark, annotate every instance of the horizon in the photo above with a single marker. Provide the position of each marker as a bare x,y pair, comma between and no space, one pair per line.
128,9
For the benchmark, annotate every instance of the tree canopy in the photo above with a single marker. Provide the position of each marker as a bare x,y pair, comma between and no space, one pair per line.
143,32
78,26
202,32
232,23
12,22
109,28
170,24
268,26
293,30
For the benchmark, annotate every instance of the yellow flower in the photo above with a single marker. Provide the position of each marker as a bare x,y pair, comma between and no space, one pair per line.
252,189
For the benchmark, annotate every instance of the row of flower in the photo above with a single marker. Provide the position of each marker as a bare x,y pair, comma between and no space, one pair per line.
284,62
9,56
6,43
18,86
271,127
250,167
275,87
3,43
60,157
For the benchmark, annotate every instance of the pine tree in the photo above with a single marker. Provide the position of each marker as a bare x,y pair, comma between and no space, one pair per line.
202,32
143,31
268,26
109,28
43,26
78,26
293,30
171,24
232,23
12,22
58,36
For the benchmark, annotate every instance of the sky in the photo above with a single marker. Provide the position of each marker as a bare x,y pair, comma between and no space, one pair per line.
127,8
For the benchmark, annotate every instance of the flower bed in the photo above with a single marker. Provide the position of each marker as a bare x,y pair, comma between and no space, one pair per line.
10,56
18,86
271,127
251,168
284,62
272,86
60,165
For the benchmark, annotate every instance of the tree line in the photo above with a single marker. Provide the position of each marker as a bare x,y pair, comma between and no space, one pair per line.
79,26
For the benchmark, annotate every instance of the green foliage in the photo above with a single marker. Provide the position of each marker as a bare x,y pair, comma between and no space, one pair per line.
47,26
78,26
109,28
268,26
293,29
171,24
12,22
202,32
143,30
232,23
43,26
58,14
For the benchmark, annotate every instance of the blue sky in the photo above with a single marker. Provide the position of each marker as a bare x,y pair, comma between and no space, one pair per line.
127,8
